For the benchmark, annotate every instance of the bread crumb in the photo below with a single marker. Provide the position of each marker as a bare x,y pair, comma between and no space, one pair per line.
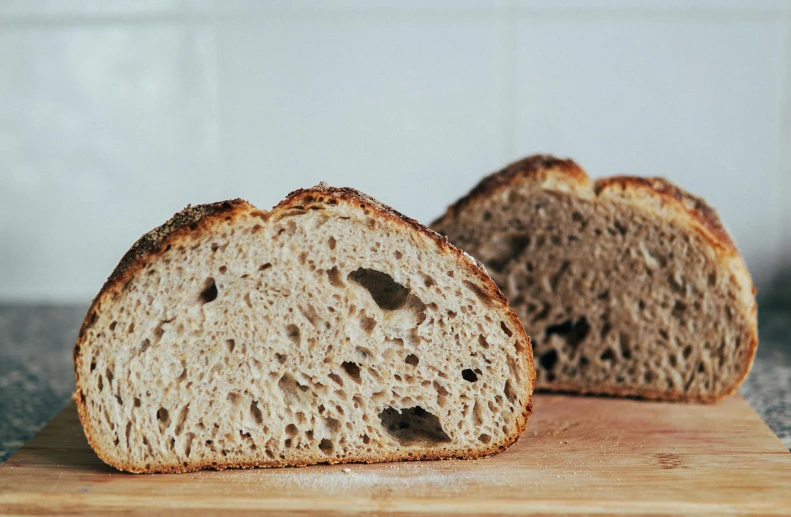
347,471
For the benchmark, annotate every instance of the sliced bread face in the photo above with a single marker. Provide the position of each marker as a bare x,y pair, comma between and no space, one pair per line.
331,329
627,286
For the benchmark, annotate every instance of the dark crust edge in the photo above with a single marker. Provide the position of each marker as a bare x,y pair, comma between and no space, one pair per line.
152,243
703,216
532,167
199,219
696,207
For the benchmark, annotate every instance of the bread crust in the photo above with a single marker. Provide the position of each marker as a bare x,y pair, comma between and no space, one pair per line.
652,194
534,168
700,213
196,220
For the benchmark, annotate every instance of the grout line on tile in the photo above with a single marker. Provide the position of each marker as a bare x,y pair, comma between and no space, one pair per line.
385,15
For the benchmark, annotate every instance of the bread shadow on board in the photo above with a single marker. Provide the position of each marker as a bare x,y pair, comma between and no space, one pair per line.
620,396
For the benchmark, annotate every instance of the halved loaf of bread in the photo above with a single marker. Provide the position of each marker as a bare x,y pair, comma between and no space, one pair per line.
331,329
628,286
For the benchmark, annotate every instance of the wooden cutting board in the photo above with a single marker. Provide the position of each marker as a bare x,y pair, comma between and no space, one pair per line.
579,455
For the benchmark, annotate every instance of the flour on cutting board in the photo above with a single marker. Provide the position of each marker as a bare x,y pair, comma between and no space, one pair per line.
399,476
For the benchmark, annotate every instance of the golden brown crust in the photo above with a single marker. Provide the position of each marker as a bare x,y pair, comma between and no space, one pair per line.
534,167
199,219
189,219
694,211
705,216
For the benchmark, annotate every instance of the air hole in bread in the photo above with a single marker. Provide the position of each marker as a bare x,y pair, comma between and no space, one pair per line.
188,446
144,345
413,427
264,267
326,446
364,353
554,280
484,438
209,292
352,370
507,250
549,359
367,324
255,412
181,420
608,356
605,330
309,313
230,344
163,417
386,292
292,331
159,330
509,392
505,328
679,308
482,341
335,277
479,293
573,333
442,394
412,360
183,374
469,375
626,349
332,424
109,373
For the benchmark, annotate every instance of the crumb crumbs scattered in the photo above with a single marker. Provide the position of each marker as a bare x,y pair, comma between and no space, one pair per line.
347,471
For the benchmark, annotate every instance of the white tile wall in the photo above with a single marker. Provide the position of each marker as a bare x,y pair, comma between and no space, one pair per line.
113,115
692,100
399,110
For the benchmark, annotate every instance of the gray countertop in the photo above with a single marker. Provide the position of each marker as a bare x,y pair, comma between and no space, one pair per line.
36,375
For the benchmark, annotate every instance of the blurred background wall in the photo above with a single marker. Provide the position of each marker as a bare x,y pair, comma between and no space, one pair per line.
114,115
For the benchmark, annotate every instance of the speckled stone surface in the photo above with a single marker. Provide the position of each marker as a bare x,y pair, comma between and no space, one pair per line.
36,375
768,388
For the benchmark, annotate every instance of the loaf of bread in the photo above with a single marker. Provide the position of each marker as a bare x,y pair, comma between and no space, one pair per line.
627,286
330,329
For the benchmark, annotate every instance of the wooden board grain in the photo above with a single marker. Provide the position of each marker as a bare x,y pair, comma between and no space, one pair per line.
579,455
